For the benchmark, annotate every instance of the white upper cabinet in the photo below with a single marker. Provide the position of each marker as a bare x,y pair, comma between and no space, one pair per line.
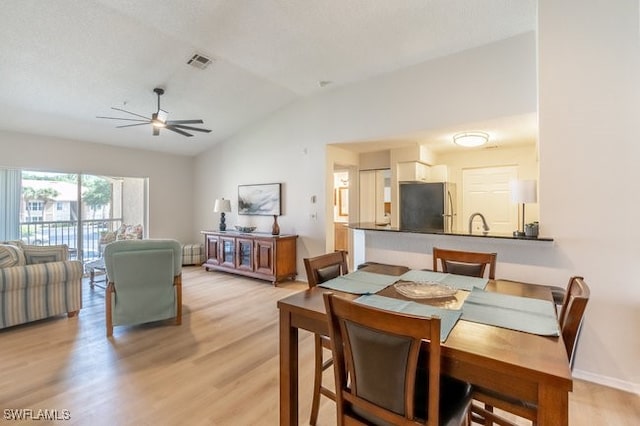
439,173
413,171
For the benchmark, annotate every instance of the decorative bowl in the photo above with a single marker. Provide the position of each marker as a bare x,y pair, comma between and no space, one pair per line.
424,290
245,229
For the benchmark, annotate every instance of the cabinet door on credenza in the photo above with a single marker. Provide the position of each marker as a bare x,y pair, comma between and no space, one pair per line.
245,254
227,252
264,256
213,250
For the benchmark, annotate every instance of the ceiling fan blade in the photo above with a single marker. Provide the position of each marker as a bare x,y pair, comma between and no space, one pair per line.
172,122
173,129
197,129
126,119
129,112
132,125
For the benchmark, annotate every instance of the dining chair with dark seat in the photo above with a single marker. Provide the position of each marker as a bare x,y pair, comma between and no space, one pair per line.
320,269
465,262
387,368
571,314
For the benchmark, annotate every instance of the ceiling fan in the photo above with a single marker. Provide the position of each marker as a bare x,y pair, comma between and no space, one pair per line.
159,120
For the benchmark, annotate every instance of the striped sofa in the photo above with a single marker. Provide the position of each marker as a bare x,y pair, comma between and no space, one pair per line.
30,292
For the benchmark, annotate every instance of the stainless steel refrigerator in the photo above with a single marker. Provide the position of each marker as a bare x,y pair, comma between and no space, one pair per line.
427,206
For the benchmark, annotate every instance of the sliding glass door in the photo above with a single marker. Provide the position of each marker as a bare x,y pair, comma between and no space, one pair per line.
82,211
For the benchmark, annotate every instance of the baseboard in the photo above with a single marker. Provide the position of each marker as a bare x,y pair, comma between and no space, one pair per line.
607,381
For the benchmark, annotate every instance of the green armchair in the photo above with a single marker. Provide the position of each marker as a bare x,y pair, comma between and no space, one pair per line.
144,282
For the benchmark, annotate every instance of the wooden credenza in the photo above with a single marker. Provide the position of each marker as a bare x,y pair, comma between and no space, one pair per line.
257,255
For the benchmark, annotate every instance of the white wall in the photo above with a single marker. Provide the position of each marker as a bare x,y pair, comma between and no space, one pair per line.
589,112
170,176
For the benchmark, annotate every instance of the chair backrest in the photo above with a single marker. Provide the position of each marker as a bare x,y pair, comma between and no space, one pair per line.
468,263
138,246
376,356
325,267
144,281
572,312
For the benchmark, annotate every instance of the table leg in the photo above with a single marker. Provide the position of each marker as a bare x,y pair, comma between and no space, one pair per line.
92,277
553,406
288,370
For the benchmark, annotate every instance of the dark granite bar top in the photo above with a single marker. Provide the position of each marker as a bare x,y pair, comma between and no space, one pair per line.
369,226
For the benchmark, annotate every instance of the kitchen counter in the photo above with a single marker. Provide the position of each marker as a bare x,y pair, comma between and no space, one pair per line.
369,226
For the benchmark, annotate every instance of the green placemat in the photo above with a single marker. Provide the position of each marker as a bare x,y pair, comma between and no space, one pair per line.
514,312
448,317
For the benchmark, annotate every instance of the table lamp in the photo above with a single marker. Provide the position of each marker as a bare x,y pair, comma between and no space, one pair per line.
523,192
222,206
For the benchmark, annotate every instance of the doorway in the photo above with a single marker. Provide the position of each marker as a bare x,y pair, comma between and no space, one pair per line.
341,209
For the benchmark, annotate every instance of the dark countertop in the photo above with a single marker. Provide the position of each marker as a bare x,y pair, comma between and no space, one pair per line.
369,226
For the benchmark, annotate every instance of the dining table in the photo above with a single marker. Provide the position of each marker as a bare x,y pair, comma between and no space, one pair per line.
526,366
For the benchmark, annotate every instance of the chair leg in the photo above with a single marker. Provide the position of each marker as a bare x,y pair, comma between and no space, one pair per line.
317,380
177,282
107,310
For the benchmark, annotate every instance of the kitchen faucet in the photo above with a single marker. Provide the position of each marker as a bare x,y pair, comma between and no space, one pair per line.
484,222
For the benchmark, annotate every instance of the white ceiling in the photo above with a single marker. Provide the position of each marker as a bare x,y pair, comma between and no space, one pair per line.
64,62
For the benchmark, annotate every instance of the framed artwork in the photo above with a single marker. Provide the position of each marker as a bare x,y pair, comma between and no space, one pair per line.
259,200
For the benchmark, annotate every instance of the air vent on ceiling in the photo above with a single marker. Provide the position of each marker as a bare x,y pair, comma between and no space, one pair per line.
199,61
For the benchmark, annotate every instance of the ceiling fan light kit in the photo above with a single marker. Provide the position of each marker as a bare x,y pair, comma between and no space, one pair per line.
158,120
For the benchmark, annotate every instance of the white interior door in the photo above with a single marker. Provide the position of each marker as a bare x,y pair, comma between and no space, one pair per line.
486,190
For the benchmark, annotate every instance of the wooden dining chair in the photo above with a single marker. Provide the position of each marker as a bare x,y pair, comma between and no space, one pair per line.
320,269
468,263
571,315
383,372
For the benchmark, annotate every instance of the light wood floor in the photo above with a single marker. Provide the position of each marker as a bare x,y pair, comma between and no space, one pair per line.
219,368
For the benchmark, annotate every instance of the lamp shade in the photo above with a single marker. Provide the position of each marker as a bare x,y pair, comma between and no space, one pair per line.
524,191
222,206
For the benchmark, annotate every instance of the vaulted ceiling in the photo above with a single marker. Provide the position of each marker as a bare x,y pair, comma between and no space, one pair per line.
64,62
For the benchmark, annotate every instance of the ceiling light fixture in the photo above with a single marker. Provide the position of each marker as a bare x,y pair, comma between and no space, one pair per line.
471,139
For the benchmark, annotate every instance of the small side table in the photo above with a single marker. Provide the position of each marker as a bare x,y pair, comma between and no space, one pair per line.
92,267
